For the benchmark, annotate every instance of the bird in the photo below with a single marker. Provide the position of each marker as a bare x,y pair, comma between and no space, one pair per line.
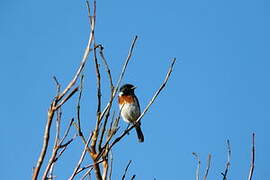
130,108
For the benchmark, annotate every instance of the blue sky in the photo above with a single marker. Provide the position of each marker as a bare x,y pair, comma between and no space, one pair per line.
219,88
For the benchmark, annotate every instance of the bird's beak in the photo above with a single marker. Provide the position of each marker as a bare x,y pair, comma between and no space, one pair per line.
134,87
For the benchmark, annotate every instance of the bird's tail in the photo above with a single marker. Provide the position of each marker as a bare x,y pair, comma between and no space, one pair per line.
139,133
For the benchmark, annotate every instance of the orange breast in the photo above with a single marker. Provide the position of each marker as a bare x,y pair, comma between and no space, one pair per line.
125,99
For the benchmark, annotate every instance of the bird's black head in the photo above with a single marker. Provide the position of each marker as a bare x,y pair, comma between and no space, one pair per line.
127,89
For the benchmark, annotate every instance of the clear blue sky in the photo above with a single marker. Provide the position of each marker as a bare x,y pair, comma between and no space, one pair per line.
219,89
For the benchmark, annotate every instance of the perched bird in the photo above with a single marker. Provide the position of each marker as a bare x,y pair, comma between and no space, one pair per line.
130,108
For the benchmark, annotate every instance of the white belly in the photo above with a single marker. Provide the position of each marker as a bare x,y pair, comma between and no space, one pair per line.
130,112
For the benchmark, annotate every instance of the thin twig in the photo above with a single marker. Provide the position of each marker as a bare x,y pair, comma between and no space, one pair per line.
64,147
111,97
79,106
67,131
96,131
103,131
67,98
124,175
93,153
252,158
58,85
54,157
98,80
228,161
112,132
54,152
87,173
81,158
82,137
87,167
208,167
58,127
101,48
198,166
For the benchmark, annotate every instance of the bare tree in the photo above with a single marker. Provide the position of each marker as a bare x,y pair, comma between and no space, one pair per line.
100,141
105,135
